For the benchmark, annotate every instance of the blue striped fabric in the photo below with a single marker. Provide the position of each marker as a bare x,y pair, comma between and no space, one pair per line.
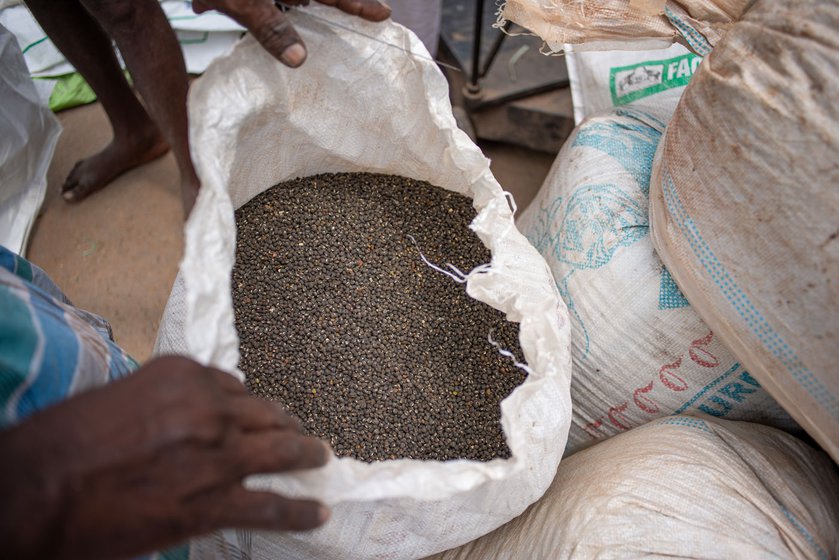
49,349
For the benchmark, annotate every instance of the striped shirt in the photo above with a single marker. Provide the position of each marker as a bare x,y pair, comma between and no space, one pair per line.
49,349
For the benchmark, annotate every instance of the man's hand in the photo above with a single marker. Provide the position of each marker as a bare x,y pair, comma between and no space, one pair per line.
272,28
147,462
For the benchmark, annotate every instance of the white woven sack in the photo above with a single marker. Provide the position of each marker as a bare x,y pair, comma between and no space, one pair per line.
29,133
626,24
745,203
604,80
640,352
360,105
680,487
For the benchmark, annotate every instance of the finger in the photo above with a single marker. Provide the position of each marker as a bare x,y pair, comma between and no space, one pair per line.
244,509
277,451
251,414
200,6
188,369
271,28
371,10
227,381
68,189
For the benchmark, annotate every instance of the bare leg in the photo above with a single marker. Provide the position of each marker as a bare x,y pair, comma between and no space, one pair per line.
153,57
137,139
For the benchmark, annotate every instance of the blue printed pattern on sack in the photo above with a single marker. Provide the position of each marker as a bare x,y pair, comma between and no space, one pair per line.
735,392
820,552
599,219
737,298
629,140
724,399
687,422
694,38
669,294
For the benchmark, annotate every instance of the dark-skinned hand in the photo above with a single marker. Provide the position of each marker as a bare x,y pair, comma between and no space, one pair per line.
274,31
147,462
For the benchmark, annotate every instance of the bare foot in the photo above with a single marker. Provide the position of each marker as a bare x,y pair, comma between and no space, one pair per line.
94,173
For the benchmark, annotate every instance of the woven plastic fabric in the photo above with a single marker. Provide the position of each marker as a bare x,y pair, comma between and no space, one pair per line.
640,351
744,203
680,487
358,104
625,24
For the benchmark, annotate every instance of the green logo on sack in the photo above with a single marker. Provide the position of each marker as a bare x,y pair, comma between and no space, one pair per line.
636,81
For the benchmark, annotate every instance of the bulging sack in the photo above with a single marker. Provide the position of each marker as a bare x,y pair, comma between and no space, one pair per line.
639,351
680,487
626,24
744,203
359,105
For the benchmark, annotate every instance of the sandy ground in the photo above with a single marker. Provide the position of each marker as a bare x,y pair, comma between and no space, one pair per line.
117,252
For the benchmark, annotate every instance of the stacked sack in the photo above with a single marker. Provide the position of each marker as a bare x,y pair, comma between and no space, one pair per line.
743,210
745,203
680,487
639,350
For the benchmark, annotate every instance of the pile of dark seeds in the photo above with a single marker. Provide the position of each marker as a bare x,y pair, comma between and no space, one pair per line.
342,322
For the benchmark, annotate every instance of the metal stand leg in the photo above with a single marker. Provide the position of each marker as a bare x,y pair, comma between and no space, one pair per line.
473,89
496,46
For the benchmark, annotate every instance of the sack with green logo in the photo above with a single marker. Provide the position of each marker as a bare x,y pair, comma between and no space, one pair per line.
604,80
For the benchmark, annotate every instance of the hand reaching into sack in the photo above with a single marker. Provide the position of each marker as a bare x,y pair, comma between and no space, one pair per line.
149,461
271,27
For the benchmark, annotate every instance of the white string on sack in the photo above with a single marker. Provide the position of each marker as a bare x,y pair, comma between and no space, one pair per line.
455,273
507,354
286,7
512,201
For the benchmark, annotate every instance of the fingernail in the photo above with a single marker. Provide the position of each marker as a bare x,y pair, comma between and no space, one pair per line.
323,514
68,195
294,55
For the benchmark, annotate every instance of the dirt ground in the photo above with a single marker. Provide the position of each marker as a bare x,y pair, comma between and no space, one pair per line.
117,252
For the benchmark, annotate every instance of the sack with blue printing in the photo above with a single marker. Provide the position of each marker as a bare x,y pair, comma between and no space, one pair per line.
639,350
680,487
745,202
